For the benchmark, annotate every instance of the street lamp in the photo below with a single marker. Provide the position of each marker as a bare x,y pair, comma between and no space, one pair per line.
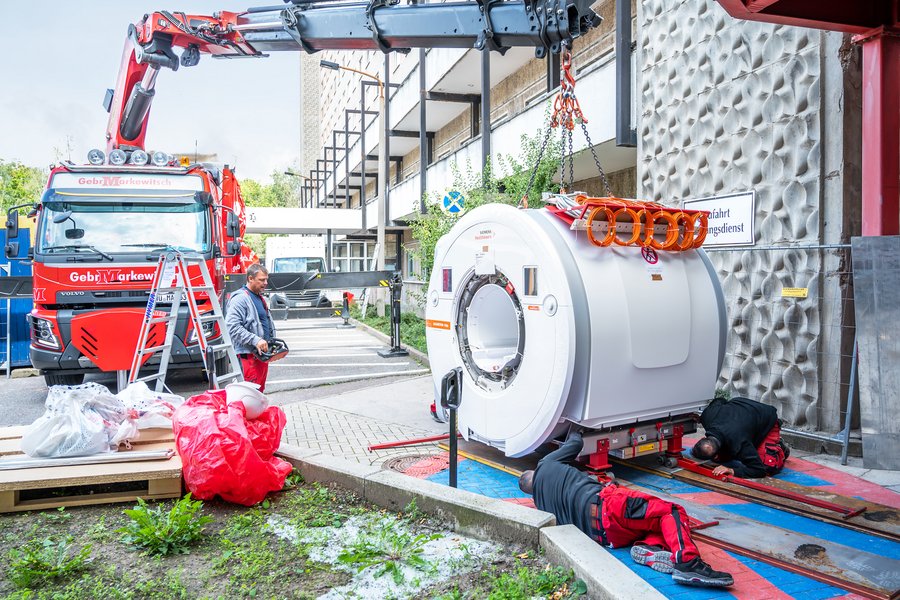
304,180
382,170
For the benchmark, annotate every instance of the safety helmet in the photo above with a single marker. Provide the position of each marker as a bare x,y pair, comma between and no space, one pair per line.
255,402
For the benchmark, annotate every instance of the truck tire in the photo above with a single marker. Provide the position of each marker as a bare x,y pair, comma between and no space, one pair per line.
58,379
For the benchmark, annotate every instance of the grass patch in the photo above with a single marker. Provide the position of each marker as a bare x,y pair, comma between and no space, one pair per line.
285,548
412,327
43,560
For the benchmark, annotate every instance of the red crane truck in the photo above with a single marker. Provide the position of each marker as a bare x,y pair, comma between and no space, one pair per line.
100,227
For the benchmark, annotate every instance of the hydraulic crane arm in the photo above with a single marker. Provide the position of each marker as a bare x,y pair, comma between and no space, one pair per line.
306,25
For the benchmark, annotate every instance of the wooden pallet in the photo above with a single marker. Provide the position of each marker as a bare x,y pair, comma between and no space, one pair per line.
53,487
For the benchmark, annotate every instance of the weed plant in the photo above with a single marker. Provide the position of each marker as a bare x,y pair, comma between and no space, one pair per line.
43,560
387,545
160,532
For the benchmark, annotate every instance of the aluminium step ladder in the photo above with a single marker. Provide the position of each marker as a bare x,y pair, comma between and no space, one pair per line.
172,278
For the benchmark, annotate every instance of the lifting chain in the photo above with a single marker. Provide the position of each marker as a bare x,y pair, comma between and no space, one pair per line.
566,113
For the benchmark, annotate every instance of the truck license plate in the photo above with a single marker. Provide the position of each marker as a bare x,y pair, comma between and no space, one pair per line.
302,304
169,297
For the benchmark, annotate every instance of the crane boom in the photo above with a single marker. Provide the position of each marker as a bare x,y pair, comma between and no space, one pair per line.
306,25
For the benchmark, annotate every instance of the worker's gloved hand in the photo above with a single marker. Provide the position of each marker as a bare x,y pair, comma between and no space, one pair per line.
262,345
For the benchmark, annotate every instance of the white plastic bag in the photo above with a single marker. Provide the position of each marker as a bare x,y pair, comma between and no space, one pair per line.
147,408
79,420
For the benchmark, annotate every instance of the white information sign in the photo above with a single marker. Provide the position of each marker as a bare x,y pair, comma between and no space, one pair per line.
730,218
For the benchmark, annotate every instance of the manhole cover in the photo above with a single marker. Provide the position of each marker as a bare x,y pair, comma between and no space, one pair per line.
402,463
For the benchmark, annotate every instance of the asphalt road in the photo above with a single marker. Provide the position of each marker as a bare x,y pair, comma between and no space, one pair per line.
324,361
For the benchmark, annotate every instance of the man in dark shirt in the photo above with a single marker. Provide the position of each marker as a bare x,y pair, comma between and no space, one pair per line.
743,434
617,517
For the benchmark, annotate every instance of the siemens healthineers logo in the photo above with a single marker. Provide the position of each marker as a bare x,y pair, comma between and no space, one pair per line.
731,218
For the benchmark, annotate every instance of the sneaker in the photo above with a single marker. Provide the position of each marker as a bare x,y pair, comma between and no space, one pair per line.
652,556
696,572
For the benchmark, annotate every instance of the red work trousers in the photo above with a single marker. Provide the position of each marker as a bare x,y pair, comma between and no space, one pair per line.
771,453
630,516
255,370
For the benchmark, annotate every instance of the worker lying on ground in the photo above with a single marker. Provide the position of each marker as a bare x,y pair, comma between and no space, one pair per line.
616,517
744,436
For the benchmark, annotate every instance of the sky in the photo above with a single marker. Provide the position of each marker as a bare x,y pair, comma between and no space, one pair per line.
57,59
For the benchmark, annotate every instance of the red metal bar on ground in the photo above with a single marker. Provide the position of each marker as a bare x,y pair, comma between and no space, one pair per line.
697,524
412,442
770,560
695,468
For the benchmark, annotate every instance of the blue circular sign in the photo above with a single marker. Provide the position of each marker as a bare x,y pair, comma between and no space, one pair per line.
454,202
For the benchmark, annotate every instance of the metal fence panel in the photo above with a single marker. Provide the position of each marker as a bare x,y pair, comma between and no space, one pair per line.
791,330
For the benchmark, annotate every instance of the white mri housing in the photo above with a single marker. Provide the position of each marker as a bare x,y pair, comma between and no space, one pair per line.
550,329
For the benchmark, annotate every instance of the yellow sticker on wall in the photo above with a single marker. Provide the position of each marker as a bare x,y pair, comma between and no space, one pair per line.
794,292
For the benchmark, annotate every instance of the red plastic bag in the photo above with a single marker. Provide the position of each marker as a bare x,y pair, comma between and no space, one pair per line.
223,453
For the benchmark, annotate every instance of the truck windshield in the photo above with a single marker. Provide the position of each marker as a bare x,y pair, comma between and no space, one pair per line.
123,227
298,264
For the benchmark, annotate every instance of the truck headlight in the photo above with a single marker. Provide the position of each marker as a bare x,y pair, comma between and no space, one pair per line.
96,157
139,157
42,333
209,331
117,157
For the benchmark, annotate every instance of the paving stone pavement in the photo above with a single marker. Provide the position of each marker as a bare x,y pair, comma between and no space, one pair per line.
348,435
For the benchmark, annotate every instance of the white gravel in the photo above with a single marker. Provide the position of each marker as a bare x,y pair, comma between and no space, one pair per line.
448,556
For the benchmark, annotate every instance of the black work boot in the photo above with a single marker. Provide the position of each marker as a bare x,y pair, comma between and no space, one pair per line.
698,573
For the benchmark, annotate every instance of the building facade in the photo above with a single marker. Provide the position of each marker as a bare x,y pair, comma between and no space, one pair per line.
719,107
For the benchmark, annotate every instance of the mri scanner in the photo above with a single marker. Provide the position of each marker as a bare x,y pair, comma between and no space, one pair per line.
553,331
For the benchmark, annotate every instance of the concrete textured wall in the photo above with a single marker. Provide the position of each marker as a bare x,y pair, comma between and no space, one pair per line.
731,106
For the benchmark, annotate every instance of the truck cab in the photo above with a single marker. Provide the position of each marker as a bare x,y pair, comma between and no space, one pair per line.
100,230
301,254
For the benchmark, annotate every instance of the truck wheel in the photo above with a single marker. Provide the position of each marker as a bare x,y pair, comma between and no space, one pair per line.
57,379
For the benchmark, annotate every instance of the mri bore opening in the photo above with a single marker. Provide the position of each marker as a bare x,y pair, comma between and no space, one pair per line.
492,332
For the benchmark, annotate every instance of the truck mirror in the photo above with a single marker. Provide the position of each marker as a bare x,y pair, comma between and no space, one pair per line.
204,197
63,216
233,248
232,226
12,224
12,249
74,233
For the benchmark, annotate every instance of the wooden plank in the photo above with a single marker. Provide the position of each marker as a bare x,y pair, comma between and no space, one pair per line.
160,489
7,433
48,477
877,518
10,445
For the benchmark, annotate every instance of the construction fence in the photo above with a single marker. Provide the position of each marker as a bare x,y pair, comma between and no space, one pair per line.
791,333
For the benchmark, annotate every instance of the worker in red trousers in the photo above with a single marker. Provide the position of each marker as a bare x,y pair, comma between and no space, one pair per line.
744,436
617,517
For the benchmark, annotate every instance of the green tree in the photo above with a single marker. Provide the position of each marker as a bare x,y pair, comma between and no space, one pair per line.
20,184
283,192
480,188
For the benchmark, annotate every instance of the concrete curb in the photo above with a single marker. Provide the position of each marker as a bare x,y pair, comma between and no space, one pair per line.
604,575
480,517
419,356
